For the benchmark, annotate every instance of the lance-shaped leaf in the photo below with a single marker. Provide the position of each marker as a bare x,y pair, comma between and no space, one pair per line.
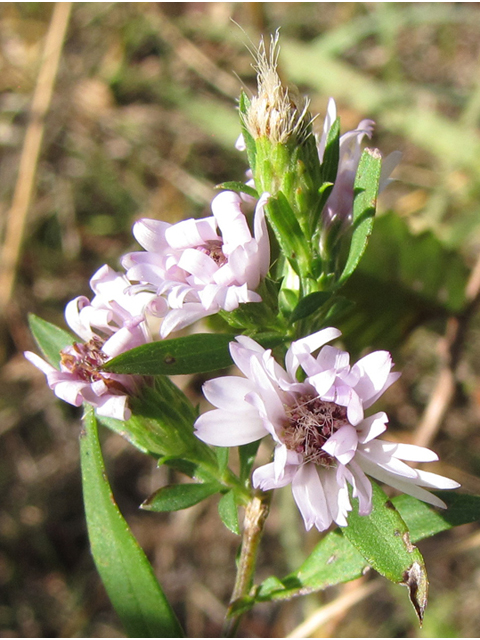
288,232
162,420
331,154
364,204
50,338
383,539
247,454
310,304
238,187
162,426
125,571
243,105
228,512
423,521
334,560
254,317
191,354
329,168
180,496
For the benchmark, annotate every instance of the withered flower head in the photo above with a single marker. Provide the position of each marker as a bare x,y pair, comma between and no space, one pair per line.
278,113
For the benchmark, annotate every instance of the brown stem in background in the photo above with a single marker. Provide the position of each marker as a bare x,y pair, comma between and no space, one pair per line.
452,347
24,187
352,594
256,513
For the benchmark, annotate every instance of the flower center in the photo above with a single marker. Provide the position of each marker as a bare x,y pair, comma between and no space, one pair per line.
311,422
85,360
213,249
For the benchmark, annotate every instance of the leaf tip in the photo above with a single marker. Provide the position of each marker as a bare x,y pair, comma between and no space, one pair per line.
415,579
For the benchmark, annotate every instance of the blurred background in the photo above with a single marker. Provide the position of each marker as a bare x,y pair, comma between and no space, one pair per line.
141,122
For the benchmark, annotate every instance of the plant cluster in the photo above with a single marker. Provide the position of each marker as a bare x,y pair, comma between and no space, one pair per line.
275,280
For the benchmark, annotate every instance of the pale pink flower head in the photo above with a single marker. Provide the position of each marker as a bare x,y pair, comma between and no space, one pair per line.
324,441
202,266
112,323
339,205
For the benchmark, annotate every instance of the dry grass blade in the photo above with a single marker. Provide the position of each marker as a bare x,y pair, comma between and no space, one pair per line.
24,187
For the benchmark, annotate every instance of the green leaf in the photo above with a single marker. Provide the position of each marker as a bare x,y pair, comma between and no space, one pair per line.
329,168
188,468
50,338
162,425
384,541
222,454
247,454
331,154
334,560
310,304
144,437
243,105
253,316
238,187
197,353
180,496
228,512
125,571
364,204
162,420
423,521
288,232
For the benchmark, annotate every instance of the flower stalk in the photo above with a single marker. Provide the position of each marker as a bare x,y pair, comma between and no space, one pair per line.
256,513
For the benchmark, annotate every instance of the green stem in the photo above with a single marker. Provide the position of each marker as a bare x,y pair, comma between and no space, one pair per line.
256,513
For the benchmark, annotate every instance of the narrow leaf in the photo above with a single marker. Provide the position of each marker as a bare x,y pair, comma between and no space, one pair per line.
423,521
310,304
247,454
253,316
161,422
222,454
228,512
288,231
334,560
384,541
179,496
329,168
125,571
243,105
364,204
238,187
50,338
191,354
331,155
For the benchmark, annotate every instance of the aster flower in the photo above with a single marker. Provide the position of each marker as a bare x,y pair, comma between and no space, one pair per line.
198,270
113,322
340,202
324,442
